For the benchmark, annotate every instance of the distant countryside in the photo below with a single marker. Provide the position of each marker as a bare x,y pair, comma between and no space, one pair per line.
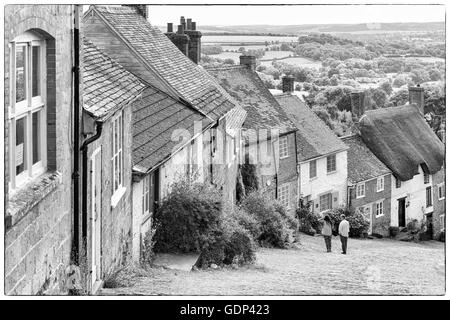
330,61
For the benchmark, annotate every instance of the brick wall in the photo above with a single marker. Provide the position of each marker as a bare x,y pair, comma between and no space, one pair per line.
438,204
380,224
38,244
287,172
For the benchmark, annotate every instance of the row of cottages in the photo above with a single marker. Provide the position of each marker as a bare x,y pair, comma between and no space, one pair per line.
321,155
396,167
268,134
182,125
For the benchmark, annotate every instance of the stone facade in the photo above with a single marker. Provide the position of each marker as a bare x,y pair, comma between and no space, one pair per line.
39,215
438,203
380,224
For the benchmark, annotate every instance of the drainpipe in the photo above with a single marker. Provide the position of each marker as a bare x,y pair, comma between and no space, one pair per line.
76,133
84,150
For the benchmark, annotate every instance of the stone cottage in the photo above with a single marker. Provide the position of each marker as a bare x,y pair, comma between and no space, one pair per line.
321,155
41,46
109,97
369,185
268,133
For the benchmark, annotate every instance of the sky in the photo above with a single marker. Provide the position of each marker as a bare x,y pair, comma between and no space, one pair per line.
295,14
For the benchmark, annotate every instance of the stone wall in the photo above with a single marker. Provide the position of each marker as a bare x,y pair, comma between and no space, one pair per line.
38,233
438,204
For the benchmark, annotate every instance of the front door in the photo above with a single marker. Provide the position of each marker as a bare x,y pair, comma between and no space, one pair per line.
401,212
96,174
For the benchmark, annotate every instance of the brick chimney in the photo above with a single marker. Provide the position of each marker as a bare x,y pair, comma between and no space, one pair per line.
288,84
195,44
416,96
357,102
179,39
141,9
248,61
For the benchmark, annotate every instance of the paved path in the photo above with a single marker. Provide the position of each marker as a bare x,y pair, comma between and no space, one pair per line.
372,267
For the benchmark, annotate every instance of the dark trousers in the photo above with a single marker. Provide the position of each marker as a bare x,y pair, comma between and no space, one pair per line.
344,244
328,243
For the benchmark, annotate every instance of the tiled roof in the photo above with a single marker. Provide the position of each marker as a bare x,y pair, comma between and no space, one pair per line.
244,85
107,86
401,138
155,117
362,164
192,82
314,138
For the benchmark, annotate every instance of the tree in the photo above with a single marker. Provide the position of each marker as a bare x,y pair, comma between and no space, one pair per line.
386,87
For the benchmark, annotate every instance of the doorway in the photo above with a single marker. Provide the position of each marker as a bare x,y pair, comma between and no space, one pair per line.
96,189
402,212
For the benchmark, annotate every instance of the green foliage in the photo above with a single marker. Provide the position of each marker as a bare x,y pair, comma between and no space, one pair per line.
309,222
148,243
211,49
186,216
358,223
276,229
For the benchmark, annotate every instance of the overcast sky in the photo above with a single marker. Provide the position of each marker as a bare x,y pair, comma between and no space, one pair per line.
295,14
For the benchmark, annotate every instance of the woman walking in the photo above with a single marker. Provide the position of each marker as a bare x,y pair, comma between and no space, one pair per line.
327,232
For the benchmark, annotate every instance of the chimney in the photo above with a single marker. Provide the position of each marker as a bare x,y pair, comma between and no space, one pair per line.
169,27
248,61
288,84
195,45
141,9
179,39
357,102
416,96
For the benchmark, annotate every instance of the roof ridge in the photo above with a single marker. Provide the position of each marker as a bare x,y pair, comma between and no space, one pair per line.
224,68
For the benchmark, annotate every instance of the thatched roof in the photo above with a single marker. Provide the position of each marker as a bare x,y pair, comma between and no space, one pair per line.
401,138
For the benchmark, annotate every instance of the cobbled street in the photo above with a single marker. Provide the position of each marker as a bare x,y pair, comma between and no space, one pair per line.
372,267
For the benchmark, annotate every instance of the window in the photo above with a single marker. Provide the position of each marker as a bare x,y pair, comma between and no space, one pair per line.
426,178
148,194
429,197
442,221
325,202
117,154
313,169
398,183
441,191
284,150
331,163
360,190
27,110
380,208
283,195
380,184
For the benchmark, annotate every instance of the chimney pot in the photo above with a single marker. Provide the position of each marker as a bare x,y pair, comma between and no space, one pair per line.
189,24
169,27
180,29
249,61
417,96
288,84
193,25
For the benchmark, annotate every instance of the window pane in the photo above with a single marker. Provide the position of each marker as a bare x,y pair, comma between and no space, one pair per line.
36,73
20,146
21,88
36,137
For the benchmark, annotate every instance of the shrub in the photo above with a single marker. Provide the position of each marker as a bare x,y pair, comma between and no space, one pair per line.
275,228
393,231
247,221
148,243
308,221
358,224
186,217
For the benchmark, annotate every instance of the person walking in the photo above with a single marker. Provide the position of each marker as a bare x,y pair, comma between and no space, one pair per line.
344,228
327,232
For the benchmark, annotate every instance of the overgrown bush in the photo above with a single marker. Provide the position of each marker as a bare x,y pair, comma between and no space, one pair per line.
192,218
358,223
148,243
308,221
186,217
276,229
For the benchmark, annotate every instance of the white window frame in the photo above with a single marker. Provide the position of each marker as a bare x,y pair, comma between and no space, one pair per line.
380,184
25,110
315,169
441,190
283,147
118,190
442,220
379,208
360,190
284,195
332,156
428,204
146,195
